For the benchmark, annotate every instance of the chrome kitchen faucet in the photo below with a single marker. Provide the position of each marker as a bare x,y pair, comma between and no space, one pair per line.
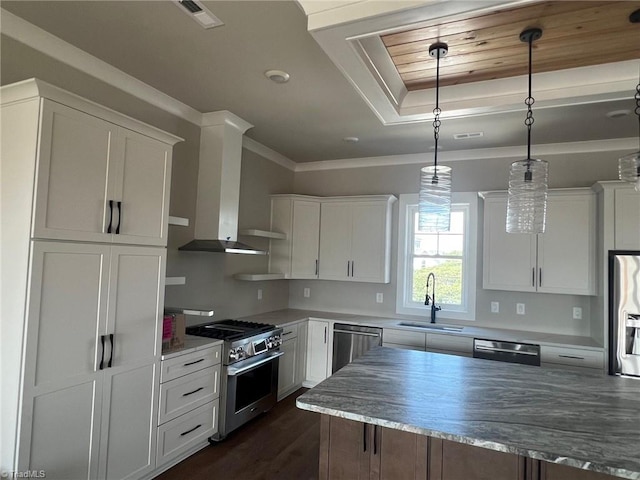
432,299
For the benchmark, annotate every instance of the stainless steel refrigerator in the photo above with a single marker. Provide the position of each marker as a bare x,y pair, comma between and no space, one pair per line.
624,313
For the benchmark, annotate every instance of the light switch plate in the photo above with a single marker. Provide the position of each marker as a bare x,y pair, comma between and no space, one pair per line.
520,308
259,294
307,292
495,307
379,298
577,313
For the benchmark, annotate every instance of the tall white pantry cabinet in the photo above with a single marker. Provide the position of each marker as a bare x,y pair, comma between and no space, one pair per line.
84,205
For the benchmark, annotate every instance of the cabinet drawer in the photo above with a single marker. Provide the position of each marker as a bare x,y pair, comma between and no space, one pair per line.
184,432
189,363
450,342
185,393
572,356
289,332
401,346
404,337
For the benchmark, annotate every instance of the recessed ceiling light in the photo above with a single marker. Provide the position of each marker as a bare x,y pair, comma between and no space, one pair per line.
462,136
618,113
277,76
351,139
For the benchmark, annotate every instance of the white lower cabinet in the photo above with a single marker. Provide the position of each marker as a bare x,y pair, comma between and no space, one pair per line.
189,403
572,357
291,371
185,432
450,344
89,396
406,339
318,352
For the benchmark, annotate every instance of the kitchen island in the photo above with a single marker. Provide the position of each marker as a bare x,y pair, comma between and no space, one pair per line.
428,412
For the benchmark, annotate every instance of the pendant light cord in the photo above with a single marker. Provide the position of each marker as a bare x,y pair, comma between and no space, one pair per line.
436,120
529,101
637,110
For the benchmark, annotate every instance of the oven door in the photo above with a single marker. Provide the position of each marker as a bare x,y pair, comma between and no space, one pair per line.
252,388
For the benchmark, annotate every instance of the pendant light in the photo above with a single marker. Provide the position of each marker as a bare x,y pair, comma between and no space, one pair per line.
527,199
434,206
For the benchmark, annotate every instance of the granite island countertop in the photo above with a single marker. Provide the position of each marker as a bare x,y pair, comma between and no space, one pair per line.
584,420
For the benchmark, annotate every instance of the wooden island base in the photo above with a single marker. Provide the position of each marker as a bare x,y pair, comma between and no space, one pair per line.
356,450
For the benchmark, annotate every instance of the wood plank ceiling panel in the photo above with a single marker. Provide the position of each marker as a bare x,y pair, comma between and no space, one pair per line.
486,47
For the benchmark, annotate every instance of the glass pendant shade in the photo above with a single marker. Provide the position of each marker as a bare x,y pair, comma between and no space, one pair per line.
434,207
629,169
527,200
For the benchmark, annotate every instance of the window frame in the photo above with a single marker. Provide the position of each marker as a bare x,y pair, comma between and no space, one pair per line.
468,201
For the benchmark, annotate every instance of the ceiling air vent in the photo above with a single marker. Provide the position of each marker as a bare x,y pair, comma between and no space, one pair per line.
462,136
197,11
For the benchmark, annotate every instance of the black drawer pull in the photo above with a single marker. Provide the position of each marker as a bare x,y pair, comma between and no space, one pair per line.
193,363
191,393
110,216
192,430
286,333
119,218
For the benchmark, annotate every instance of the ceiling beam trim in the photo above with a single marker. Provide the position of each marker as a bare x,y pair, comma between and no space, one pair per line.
544,150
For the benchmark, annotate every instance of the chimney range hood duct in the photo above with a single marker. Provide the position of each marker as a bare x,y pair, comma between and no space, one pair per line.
218,195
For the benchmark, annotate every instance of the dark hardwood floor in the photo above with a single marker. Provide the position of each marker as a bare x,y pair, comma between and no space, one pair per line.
280,444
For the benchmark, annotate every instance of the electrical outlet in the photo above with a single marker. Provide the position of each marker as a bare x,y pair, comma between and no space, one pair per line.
259,294
307,292
520,308
495,307
577,313
379,298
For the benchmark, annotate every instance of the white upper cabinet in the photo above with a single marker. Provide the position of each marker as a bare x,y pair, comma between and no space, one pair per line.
100,182
561,260
298,217
100,176
627,219
355,238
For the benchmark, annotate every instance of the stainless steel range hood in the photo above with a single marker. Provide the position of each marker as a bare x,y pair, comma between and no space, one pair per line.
220,246
218,195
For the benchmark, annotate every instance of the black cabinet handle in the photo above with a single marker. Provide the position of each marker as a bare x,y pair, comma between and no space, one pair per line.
102,356
540,277
352,264
348,262
325,334
316,266
375,439
119,218
533,277
364,437
191,393
113,349
110,216
193,363
286,333
189,431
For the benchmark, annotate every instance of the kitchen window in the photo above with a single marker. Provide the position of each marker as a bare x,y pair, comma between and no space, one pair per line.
451,256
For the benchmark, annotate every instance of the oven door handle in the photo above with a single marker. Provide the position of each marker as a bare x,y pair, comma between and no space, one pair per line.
232,371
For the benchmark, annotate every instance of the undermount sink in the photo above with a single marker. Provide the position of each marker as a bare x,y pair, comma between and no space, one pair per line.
431,326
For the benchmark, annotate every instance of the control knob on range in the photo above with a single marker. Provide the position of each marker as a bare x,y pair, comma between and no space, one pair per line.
236,353
274,341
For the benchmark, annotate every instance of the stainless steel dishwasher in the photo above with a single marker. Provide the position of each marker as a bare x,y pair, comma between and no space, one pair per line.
351,341
525,353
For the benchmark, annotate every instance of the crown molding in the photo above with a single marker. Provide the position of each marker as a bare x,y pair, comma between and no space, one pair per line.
222,117
52,46
264,151
543,150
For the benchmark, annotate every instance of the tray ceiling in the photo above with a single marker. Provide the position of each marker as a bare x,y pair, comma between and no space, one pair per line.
487,46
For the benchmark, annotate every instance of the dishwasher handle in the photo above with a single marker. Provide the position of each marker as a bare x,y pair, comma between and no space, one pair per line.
351,332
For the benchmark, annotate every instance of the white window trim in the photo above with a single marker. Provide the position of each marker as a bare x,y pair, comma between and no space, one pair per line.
470,265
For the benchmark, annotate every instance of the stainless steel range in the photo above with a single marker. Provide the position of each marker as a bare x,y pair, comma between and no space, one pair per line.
249,380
